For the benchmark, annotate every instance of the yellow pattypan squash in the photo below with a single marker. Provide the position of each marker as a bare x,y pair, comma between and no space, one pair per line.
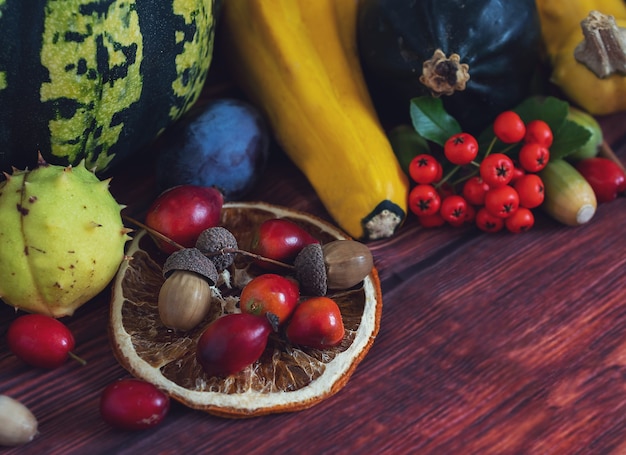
585,43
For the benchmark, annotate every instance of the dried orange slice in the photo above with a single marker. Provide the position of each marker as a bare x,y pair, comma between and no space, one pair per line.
286,377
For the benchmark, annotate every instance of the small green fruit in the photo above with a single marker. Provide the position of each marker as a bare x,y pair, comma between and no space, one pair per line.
62,238
590,148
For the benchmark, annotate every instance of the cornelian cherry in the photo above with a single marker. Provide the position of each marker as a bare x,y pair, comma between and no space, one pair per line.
133,404
316,323
182,212
40,341
270,294
231,343
281,240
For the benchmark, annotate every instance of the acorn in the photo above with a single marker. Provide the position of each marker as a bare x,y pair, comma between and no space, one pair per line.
337,265
18,425
185,296
219,244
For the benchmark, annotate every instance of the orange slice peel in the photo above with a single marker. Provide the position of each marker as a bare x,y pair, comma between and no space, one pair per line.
286,378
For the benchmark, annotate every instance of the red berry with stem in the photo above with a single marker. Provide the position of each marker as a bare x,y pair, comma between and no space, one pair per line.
497,169
461,148
41,341
281,240
316,323
182,212
270,294
509,127
133,404
231,343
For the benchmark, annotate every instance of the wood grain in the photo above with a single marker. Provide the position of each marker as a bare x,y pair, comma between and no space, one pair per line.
489,344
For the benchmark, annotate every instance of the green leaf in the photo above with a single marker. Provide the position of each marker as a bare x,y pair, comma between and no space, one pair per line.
407,144
568,138
551,110
431,121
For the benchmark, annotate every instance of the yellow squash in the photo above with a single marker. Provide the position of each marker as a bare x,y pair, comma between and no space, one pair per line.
298,61
597,92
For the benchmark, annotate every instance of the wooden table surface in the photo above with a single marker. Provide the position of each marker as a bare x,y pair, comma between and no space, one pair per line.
489,344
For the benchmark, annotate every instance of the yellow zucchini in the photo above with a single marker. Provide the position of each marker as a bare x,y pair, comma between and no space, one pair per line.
297,60
568,197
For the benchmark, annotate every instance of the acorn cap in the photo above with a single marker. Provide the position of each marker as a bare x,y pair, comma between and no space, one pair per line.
190,260
212,241
311,270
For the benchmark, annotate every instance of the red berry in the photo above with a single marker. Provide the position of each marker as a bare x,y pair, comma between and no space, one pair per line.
133,404
488,222
461,149
509,127
502,201
316,323
431,221
474,190
539,132
497,169
521,221
270,293
424,200
182,212
424,168
231,343
40,341
533,157
454,209
531,191
280,239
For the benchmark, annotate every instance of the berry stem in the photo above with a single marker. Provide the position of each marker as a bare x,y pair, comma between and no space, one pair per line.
153,232
252,255
216,253
77,358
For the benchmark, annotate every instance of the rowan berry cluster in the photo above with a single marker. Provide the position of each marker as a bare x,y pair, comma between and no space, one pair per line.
494,193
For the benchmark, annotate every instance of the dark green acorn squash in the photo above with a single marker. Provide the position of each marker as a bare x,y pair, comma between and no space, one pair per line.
97,79
495,42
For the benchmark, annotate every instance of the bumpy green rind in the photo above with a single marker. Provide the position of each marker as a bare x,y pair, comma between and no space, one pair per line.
62,239
97,79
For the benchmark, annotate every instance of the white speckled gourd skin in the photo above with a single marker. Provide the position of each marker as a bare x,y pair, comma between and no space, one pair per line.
62,238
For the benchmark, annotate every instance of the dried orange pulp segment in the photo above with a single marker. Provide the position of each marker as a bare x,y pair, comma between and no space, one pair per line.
286,378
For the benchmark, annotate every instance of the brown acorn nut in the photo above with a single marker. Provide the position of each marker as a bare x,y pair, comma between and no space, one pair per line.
336,265
18,425
185,296
213,242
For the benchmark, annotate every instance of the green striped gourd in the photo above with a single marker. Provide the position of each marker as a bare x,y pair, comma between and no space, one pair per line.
97,80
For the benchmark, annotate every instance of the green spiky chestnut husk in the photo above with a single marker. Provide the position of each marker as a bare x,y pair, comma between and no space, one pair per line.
62,238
